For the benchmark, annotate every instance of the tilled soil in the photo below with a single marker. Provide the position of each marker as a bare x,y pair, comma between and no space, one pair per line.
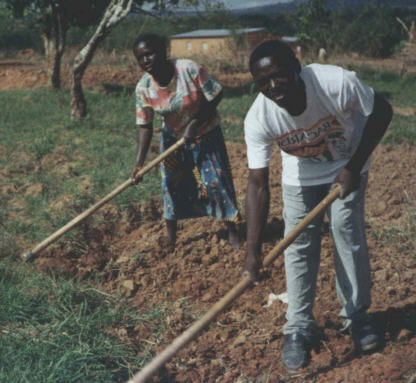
243,344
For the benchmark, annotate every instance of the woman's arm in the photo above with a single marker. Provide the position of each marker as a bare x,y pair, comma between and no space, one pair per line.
143,143
205,112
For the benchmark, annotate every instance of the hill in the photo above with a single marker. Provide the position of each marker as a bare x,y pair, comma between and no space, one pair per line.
331,4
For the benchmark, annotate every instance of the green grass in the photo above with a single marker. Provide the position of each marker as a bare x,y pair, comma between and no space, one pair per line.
399,89
43,146
54,330
402,130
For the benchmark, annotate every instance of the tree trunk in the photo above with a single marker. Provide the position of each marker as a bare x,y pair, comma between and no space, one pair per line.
116,11
54,38
412,34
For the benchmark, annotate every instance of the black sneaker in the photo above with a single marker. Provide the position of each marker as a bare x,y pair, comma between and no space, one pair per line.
296,351
364,335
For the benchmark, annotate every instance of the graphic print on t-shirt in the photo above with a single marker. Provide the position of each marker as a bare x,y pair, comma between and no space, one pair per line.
315,142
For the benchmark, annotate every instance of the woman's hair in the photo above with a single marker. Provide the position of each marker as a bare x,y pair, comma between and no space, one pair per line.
158,42
274,48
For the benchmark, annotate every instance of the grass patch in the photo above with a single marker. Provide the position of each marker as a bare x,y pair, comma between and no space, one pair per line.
54,330
43,148
399,89
402,130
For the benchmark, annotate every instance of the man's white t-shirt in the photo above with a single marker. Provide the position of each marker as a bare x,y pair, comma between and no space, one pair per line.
317,144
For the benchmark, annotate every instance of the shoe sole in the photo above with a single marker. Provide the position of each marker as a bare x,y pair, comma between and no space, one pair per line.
296,368
369,347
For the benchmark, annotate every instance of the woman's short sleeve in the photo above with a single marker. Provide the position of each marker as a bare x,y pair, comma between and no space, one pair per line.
144,111
208,85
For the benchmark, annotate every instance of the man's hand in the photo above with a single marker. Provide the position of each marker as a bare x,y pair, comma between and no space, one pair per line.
348,181
135,176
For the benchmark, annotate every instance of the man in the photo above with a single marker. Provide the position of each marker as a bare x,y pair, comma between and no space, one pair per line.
326,123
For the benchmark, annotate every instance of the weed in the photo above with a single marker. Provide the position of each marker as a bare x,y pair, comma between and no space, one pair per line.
42,145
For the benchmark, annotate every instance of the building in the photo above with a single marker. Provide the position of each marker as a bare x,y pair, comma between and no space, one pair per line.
215,41
211,41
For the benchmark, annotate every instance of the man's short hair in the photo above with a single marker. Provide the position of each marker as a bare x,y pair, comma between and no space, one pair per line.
273,48
158,42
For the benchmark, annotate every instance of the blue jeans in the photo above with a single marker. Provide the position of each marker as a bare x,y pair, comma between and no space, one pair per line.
302,257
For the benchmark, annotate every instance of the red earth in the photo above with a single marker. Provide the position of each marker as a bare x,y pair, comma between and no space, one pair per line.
244,343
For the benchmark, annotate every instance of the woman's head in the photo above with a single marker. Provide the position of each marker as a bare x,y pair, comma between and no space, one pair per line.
150,51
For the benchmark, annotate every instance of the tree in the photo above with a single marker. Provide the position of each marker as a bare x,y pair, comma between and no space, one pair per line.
411,31
116,11
313,23
55,17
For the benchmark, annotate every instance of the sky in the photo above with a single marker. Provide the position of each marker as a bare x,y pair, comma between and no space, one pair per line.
235,4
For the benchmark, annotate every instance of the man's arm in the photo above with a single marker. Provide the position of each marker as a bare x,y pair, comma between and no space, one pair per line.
143,143
257,209
376,126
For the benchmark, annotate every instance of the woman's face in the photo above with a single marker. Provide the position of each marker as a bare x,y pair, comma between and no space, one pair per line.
148,57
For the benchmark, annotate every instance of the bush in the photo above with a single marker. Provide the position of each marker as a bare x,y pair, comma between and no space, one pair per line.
371,31
15,36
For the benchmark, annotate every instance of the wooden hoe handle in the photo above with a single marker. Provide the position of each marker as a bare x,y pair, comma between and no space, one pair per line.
178,343
78,219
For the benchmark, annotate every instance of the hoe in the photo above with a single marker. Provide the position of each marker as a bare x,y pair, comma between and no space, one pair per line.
78,219
182,340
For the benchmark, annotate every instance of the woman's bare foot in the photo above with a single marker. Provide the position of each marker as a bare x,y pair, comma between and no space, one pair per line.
233,236
171,232
252,268
166,245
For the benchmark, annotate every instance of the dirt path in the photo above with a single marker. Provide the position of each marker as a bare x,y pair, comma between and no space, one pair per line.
244,344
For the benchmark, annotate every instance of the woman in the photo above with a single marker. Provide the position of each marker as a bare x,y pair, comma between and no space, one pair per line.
196,179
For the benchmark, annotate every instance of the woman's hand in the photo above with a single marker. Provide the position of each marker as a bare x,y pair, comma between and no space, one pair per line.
134,174
191,130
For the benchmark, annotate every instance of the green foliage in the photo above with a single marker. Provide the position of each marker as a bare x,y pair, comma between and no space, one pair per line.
313,23
374,32
16,35
371,30
40,16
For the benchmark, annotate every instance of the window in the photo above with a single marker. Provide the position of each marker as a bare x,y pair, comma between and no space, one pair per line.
188,46
204,46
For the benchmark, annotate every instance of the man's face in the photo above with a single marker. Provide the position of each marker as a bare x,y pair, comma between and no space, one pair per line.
276,81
